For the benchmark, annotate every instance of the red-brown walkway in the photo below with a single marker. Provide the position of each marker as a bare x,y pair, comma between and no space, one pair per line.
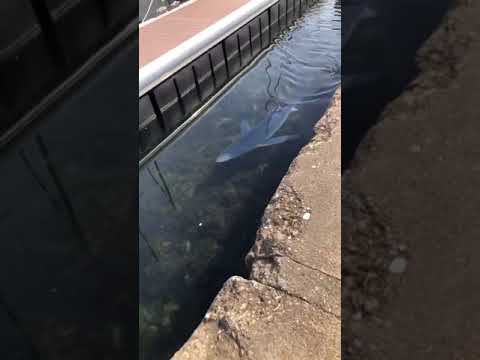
164,33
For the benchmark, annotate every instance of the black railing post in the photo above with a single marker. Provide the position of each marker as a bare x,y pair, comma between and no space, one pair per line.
179,98
261,31
239,50
250,40
157,111
224,50
270,25
286,14
197,84
278,17
212,70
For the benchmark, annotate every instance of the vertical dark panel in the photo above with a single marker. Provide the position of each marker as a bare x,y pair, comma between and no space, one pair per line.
204,76
212,71
185,81
145,111
256,37
220,66
233,55
282,14
151,126
68,217
244,42
197,83
242,62
290,12
168,102
225,59
298,9
265,29
274,21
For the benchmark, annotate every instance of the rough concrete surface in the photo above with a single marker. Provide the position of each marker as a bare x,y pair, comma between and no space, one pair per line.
249,320
290,306
409,211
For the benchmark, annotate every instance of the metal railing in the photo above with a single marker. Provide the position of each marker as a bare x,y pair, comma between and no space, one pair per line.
172,99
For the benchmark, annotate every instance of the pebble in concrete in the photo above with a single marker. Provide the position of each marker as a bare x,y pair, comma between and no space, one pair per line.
398,265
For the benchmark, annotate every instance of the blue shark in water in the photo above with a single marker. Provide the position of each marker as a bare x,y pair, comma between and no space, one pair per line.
259,136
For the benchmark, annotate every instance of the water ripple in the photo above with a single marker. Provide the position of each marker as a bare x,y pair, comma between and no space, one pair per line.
309,52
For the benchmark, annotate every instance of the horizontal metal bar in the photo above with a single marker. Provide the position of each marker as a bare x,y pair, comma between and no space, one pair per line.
166,65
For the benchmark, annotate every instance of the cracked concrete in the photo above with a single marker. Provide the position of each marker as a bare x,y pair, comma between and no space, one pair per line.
290,308
249,320
298,280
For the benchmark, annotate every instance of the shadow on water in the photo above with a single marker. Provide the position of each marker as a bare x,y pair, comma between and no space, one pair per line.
196,234
67,221
378,58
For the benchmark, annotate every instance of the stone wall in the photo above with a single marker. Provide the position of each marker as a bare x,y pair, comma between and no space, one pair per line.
410,209
290,306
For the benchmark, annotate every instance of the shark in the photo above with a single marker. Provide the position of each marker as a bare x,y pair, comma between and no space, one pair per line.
262,135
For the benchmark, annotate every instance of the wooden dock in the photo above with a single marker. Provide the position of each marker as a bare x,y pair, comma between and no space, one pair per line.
167,31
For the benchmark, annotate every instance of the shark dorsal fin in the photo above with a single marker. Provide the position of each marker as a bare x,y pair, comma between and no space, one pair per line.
244,128
277,119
